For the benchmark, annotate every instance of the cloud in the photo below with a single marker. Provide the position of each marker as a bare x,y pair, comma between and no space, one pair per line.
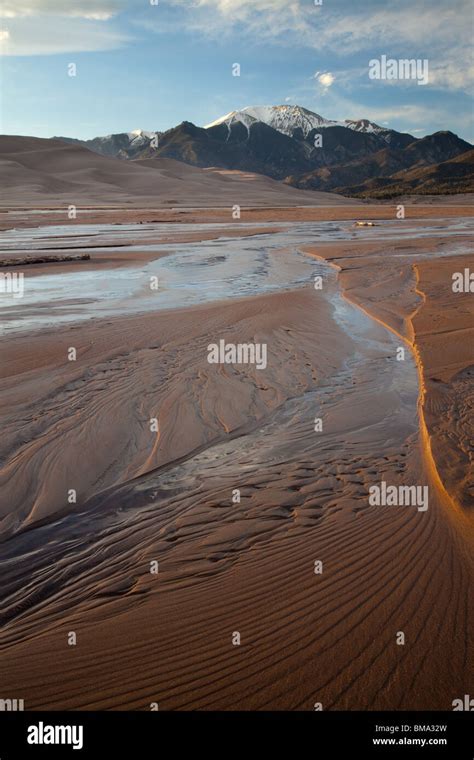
354,26
326,79
45,27
408,25
238,10
39,36
402,116
264,19
450,75
97,10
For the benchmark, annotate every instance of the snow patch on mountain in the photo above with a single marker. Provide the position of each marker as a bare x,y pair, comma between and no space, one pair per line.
233,117
141,133
364,125
286,119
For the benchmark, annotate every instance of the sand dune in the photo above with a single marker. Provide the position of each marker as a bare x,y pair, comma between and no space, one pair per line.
47,172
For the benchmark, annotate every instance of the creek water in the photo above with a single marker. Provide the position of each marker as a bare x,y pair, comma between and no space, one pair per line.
190,273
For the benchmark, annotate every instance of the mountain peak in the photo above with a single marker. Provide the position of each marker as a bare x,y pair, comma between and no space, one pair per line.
283,118
364,125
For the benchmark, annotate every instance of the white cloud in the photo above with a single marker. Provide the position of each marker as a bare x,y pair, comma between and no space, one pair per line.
450,75
408,22
406,25
326,79
97,10
401,116
44,27
236,10
38,36
266,19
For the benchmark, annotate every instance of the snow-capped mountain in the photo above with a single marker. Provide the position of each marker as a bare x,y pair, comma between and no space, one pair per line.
364,125
289,119
285,119
122,145
140,137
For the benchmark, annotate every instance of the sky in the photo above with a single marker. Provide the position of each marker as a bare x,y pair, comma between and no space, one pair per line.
151,64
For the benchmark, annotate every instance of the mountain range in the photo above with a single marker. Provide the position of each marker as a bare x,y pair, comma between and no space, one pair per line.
289,143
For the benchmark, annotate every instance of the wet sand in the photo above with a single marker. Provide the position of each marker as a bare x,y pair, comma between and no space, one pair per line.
347,210
245,566
409,289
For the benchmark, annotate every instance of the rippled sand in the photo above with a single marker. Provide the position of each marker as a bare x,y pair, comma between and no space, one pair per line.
245,566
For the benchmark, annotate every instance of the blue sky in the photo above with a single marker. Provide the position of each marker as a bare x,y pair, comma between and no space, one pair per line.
141,65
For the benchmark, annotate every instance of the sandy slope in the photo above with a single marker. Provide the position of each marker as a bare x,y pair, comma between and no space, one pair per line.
40,172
